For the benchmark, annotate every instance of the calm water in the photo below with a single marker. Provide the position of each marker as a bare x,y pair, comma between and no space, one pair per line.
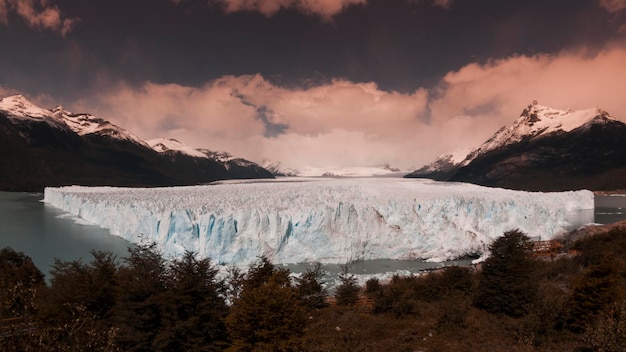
44,233
610,209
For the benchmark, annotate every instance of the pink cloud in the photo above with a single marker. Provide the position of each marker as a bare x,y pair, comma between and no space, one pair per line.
446,4
480,98
344,123
362,121
323,8
37,14
618,9
613,6
3,12
5,92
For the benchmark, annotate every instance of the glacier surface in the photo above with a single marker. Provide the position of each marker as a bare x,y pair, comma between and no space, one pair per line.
325,220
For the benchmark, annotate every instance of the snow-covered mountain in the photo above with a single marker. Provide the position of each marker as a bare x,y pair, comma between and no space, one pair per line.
537,122
41,147
443,167
547,149
237,167
347,171
170,145
277,169
19,110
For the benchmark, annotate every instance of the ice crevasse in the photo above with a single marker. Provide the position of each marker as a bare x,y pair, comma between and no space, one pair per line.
324,220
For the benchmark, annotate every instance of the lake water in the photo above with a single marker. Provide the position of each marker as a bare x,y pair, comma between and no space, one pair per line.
610,209
45,233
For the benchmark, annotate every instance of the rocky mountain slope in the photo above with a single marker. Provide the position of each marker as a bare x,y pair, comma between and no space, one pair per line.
547,149
52,147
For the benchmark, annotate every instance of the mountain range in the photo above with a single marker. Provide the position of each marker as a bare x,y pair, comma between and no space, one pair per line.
54,147
384,170
545,149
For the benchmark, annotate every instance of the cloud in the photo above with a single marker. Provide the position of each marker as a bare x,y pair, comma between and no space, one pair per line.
323,8
5,92
339,123
445,4
343,123
618,9
37,14
613,6
499,89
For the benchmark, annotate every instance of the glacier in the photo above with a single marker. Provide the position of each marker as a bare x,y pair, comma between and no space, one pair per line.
298,220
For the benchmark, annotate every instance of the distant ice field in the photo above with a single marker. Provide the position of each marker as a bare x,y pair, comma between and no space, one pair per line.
324,220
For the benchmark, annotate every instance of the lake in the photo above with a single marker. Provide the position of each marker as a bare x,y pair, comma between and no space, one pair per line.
45,233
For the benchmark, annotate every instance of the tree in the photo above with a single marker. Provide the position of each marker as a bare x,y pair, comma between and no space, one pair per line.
21,285
267,315
194,308
141,298
20,282
507,284
347,292
310,288
77,308
91,286
599,287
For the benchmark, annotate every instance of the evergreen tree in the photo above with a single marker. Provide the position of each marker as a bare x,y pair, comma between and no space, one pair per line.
310,288
20,282
91,286
259,273
507,284
194,307
268,315
596,291
347,292
141,298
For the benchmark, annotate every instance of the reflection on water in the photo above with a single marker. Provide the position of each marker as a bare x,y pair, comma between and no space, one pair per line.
44,233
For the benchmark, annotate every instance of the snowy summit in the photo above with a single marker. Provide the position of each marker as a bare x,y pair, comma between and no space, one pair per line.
538,121
20,110
164,145
545,149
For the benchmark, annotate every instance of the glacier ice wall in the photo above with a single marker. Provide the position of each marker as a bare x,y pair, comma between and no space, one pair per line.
325,220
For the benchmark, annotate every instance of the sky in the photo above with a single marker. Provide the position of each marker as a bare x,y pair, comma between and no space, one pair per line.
322,83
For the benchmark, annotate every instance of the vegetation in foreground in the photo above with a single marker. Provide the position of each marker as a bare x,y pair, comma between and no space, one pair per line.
143,303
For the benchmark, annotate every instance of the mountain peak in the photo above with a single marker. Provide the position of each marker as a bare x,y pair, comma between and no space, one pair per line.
544,119
538,121
21,110
545,149
17,106
163,145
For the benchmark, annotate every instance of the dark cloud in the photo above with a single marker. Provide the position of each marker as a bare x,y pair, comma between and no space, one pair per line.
399,44
37,14
263,114
613,6
312,74
272,129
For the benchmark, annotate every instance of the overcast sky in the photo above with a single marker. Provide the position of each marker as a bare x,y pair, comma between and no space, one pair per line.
316,82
